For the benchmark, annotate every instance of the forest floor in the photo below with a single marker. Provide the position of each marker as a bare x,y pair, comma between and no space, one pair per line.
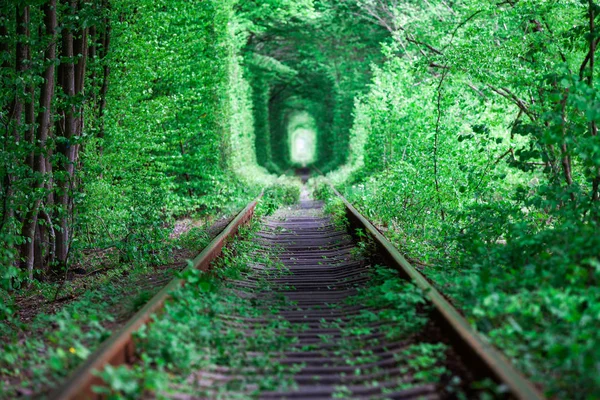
61,332
31,304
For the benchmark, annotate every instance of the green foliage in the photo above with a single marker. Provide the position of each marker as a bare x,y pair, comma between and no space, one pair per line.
140,300
194,238
130,383
396,307
475,151
164,146
423,360
320,189
6,306
36,356
397,301
313,63
166,130
337,210
270,13
55,343
467,131
284,192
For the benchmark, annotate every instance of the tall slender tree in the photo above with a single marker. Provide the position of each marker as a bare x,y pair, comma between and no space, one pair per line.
66,134
43,132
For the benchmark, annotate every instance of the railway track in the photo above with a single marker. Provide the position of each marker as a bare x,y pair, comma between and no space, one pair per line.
354,330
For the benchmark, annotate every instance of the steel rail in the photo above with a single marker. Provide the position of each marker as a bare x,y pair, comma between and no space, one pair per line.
120,347
482,358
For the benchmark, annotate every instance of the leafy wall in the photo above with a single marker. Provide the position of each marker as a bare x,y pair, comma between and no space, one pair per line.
162,127
476,151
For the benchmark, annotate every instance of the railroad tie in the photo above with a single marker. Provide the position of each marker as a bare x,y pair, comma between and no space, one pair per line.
324,271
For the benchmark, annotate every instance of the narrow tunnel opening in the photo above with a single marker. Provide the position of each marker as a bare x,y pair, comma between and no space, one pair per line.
302,139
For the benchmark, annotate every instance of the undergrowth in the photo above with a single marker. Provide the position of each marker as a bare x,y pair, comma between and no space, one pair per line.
55,342
525,280
35,356
198,336
38,354
389,299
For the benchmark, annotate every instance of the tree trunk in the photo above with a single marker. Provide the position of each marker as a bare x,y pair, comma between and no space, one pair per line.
22,30
21,66
80,49
7,209
26,104
65,146
593,126
29,92
92,54
105,69
43,132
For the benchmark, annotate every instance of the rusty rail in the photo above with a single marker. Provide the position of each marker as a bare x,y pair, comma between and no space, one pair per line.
483,360
120,347
481,357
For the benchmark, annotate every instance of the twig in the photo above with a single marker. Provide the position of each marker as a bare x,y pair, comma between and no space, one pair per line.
460,26
507,94
479,92
435,144
587,59
509,151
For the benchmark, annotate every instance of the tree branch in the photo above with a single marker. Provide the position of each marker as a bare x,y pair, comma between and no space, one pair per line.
507,94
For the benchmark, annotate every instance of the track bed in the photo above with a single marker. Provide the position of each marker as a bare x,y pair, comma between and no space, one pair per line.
302,310
336,354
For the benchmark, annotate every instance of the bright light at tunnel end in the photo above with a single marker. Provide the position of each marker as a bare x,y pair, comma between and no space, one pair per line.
302,139
303,146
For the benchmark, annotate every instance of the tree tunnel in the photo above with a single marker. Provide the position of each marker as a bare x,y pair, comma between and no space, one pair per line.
311,111
305,78
293,123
